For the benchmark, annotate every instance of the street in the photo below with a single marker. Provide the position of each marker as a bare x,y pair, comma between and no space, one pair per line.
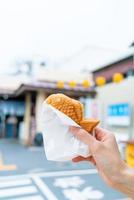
35,178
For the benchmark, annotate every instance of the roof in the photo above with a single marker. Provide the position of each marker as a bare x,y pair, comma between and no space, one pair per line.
51,87
44,79
48,87
116,61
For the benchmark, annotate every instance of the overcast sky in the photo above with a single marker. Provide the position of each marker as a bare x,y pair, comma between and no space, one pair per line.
59,30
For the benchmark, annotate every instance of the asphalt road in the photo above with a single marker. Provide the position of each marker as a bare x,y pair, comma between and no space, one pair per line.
35,178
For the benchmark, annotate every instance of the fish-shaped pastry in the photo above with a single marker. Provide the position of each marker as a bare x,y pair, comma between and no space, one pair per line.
73,109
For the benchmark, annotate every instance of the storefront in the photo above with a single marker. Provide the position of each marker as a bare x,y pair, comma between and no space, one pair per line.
115,101
11,115
115,96
21,116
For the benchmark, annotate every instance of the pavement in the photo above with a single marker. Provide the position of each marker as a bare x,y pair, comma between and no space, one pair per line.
35,178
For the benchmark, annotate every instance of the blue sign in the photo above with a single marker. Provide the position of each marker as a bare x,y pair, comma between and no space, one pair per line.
119,114
119,110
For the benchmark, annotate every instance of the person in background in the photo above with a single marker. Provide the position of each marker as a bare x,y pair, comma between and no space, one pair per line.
106,157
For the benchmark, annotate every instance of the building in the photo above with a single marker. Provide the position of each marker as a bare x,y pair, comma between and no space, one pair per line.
124,65
115,101
21,102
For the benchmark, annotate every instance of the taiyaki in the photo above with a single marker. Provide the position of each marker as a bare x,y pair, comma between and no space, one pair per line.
73,109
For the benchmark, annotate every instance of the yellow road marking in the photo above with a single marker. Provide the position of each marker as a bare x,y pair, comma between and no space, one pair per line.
6,167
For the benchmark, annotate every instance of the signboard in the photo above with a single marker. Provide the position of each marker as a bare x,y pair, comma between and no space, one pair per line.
119,114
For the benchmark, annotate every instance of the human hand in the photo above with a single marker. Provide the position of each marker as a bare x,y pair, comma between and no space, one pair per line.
104,153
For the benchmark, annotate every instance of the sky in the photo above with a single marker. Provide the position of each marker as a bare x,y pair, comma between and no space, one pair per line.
65,32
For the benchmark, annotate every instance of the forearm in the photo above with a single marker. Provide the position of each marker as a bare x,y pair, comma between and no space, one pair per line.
125,181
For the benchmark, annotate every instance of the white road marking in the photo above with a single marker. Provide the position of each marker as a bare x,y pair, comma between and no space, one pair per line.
19,180
44,188
10,177
66,182
86,193
14,182
7,184
18,191
36,149
124,199
68,173
33,197
36,170
52,174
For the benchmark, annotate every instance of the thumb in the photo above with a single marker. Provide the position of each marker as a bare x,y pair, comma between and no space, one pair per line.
82,135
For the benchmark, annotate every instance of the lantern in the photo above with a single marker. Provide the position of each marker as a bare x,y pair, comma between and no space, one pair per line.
86,83
72,84
60,84
118,77
100,81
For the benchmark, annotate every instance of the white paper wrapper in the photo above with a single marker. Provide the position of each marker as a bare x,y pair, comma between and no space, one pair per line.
59,143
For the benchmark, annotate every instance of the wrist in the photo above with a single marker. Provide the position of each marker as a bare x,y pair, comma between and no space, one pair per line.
124,180
120,176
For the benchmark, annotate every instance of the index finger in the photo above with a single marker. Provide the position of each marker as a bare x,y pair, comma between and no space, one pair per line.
101,134
82,135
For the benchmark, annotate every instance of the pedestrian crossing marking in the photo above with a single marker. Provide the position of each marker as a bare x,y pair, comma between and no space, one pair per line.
37,187
32,186
16,191
12,183
31,197
44,188
20,188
